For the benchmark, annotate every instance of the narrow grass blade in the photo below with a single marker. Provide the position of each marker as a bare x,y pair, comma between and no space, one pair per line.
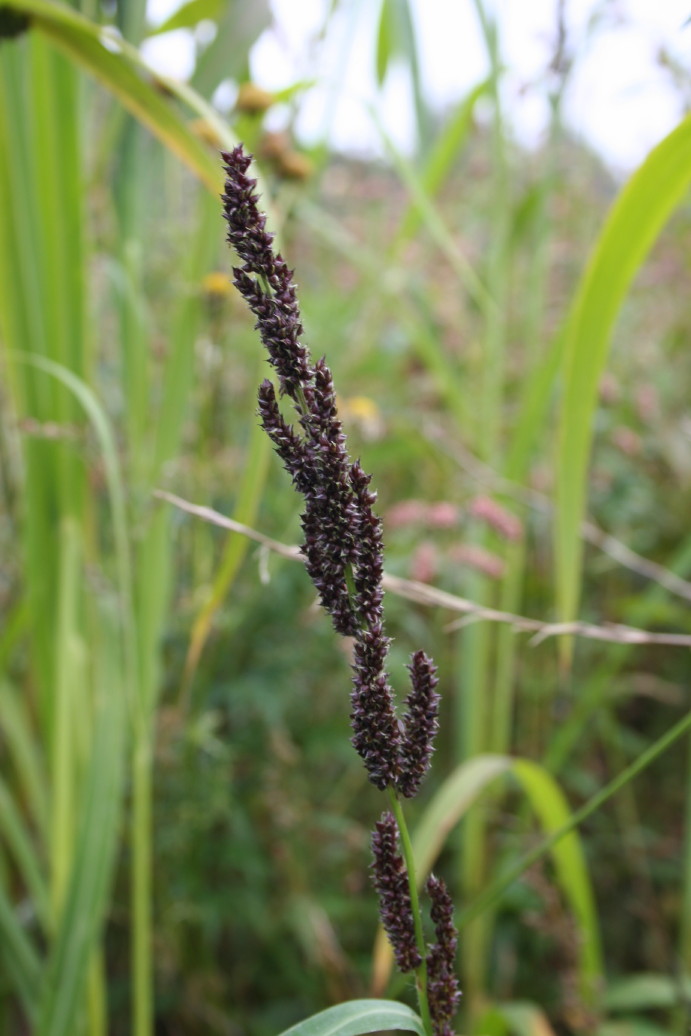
20,960
21,749
386,40
523,1019
550,806
116,492
405,42
179,370
634,222
632,1027
189,15
358,1017
453,799
16,837
444,154
114,63
647,992
70,708
494,891
226,56
245,511
435,224
88,892
92,859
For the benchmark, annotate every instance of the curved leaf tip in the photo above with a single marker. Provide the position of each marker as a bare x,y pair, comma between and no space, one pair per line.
357,1017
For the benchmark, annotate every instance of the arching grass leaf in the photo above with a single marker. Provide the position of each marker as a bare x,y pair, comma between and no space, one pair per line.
634,222
357,1017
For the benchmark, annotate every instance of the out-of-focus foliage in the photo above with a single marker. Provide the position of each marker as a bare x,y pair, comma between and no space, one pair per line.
236,809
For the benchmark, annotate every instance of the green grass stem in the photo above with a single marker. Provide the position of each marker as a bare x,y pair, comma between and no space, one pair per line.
409,857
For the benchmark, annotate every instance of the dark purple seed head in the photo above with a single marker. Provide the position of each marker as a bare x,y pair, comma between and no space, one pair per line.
343,546
390,879
442,985
420,724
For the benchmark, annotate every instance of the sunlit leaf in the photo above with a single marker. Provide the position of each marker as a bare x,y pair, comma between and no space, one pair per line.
358,1017
189,15
89,887
119,68
634,222
524,1019
453,799
550,805
226,57
19,958
386,40
647,991
632,1027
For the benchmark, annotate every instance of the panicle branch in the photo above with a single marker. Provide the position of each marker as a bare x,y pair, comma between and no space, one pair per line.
420,724
442,985
343,549
342,545
390,879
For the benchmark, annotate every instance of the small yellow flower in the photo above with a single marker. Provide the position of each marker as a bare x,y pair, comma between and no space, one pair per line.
361,407
364,413
217,284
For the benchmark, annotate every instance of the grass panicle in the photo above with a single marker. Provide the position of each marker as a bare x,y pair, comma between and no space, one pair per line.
343,548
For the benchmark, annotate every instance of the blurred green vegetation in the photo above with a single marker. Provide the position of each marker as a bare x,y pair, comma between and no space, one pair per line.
174,709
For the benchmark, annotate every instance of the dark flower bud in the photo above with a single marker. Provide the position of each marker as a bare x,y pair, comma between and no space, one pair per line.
342,547
391,882
420,724
289,446
264,280
442,985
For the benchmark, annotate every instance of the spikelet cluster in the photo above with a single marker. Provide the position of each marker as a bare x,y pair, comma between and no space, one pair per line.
342,535
343,553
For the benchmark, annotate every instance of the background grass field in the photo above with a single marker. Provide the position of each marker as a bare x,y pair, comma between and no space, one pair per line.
184,824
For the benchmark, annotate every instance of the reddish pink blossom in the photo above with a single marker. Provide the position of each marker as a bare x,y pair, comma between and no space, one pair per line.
501,520
477,557
443,515
407,512
424,564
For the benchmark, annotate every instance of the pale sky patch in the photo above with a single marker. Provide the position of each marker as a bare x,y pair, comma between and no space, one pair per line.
620,99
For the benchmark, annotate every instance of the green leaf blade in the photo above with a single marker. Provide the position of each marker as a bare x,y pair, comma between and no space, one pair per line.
453,799
357,1017
189,15
635,221
117,66
551,808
